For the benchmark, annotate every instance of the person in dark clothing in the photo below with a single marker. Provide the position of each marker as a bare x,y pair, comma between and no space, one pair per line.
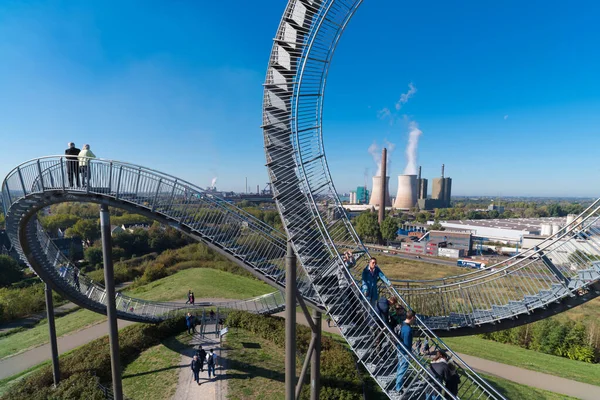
406,338
201,357
189,321
196,369
189,300
192,298
383,309
440,368
453,379
76,279
72,164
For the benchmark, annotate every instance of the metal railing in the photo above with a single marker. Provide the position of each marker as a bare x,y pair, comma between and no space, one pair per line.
44,181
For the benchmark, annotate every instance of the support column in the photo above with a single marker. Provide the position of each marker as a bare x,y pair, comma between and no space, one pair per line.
111,306
52,329
315,367
290,323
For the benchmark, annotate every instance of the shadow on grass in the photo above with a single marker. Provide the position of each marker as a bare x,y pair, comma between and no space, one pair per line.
156,370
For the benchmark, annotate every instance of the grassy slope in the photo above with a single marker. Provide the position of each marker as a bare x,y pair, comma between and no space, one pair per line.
205,283
155,373
529,359
38,335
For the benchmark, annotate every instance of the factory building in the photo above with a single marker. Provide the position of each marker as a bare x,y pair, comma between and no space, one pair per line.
441,192
454,240
360,196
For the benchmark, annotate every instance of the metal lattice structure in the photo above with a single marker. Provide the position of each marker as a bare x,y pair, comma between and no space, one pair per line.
317,226
223,227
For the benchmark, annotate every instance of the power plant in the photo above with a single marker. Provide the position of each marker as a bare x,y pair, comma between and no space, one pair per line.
374,200
406,197
441,192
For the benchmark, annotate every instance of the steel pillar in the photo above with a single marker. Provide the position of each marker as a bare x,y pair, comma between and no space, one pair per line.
290,323
52,330
383,193
111,306
315,367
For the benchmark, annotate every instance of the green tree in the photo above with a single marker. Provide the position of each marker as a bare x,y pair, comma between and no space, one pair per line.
389,228
52,223
93,255
2,222
10,272
436,226
88,230
367,227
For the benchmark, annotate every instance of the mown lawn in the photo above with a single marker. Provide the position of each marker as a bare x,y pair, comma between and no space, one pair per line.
512,390
155,373
204,282
38,335
528,359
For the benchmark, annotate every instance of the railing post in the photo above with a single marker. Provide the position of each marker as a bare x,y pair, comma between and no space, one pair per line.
119,182
22,181
290,324
40,173
52,331
62,173
111,310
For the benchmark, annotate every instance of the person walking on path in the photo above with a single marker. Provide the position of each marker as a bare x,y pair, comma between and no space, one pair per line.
192,298
189,297
406,338
72,164
189,321
370,277
196,369
84,164
211,361
201,357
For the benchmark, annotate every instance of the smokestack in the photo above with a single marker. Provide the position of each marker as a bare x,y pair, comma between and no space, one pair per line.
407,192
419,177
383,188
257,189
443,170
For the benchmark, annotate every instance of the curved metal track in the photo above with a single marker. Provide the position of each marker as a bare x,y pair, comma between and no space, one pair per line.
315,222
230,231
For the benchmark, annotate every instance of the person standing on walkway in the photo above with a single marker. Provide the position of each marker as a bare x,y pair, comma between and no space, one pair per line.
196,369
370,277
189,321
72,164
406,338
84,164
189,299
192,298
211,361
201,357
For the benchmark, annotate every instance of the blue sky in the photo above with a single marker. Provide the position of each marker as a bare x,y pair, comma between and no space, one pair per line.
507,93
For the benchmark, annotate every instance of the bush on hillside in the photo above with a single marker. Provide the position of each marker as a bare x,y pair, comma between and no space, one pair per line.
339,378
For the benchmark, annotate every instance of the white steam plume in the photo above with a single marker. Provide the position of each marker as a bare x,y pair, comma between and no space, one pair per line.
411,150
213,182
405,96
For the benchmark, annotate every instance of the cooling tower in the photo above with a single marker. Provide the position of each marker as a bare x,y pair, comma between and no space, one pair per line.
407,192
376,193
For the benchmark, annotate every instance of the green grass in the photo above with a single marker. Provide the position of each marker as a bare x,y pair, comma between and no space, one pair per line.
38,335
204,282
512,390
155,373
256,371
528,359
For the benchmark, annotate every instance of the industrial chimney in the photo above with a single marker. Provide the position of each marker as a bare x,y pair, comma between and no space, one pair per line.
407,192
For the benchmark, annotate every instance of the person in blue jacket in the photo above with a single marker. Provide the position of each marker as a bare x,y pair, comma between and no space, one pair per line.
370,276
406,337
